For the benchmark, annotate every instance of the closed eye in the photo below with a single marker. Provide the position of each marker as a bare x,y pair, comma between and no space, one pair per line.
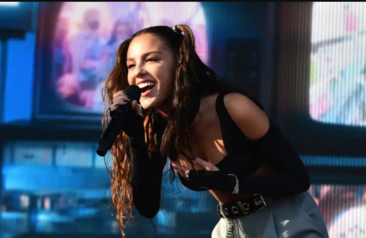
151,59
147,60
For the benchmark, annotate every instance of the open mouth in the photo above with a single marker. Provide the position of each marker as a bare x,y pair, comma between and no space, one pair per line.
146,87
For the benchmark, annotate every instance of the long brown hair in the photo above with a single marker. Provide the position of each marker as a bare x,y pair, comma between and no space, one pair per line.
192,78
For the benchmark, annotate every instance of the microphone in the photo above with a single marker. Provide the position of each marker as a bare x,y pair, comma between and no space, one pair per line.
133,92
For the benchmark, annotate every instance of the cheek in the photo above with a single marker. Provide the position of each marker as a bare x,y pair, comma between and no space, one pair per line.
129,79
166,84
166,79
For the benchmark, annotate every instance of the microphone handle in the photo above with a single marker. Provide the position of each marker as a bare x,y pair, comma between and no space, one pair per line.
113,129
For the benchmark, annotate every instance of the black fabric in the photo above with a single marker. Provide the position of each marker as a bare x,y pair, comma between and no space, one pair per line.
146,169
134,127
188,185
146,180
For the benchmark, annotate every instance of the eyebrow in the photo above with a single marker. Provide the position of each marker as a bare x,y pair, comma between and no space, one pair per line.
147,53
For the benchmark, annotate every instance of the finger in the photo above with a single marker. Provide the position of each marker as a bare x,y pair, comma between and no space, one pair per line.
180,169
202,163
118,94
113,107
208,166
121,101
118,103
136,107
177,167
119,97
198,167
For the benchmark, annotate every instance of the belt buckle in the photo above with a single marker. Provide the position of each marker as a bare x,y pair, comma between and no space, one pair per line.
244,207
222,210
259,202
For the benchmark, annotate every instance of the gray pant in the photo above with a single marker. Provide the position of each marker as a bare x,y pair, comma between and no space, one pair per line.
293,217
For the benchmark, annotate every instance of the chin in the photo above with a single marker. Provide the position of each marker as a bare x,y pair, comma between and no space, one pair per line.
147,103
151,102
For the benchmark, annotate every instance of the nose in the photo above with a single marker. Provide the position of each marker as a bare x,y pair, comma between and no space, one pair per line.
139,72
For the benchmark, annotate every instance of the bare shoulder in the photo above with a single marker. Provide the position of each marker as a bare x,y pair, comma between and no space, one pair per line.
251,119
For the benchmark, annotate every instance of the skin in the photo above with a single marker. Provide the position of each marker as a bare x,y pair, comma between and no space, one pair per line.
205,130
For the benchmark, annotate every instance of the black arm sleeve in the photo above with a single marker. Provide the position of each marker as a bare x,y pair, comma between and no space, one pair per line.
188,185
290,178
146,173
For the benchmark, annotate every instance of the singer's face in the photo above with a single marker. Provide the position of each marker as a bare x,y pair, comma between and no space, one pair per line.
151,66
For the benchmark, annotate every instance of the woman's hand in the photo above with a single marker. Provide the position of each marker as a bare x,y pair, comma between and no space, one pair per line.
204,165
120,98
134,122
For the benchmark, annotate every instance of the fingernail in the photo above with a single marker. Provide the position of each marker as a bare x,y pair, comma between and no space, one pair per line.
193,157
126,100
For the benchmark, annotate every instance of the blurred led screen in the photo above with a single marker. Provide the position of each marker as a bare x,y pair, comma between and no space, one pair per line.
90,33
343,209
85,40
338,56
77,44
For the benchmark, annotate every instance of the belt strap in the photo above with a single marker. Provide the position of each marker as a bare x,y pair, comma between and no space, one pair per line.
251,204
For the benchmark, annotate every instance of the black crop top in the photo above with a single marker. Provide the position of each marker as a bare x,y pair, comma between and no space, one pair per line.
240,153
243,158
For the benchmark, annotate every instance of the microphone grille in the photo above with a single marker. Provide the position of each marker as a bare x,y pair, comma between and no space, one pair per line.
133,92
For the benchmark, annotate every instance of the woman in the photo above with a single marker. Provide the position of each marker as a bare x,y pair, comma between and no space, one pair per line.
244,160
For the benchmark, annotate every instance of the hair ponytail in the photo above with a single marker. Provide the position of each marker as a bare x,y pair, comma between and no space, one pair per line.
188,43
177,129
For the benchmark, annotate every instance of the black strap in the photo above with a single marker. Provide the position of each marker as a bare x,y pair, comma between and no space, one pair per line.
232,136
251,204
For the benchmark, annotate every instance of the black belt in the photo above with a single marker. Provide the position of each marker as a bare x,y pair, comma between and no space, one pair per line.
246,206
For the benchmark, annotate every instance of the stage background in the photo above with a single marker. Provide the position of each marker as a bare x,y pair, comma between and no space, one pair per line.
305,62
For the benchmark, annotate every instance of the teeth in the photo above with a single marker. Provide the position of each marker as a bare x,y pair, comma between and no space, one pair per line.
147,84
